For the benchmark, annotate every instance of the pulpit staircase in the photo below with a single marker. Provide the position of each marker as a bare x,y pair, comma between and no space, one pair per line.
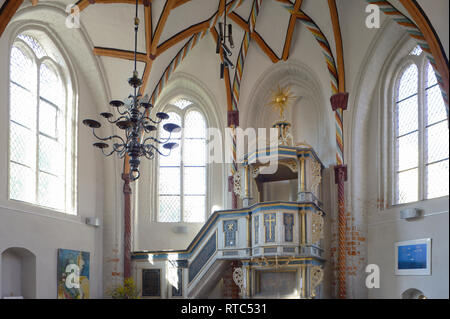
276,239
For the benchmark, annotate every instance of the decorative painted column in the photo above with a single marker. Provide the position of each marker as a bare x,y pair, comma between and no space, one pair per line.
127,227
233,122
339,103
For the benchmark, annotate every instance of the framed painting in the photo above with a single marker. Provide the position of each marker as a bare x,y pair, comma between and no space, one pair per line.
73,274
413,257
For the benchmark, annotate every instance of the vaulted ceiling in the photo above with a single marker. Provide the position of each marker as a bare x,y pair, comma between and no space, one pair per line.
171,28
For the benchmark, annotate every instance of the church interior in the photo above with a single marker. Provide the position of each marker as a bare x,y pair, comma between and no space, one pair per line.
317,166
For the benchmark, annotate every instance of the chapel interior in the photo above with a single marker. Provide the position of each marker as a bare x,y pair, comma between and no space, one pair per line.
224,149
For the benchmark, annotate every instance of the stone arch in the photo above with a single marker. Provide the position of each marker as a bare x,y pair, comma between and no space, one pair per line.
365,100
188,86
306,87
18,273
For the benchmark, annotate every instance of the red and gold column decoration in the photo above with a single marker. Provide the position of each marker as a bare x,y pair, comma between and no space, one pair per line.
339,103
127,226
233,112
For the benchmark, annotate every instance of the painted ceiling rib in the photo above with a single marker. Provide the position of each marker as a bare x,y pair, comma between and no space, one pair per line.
148,26
203,26
161,24
181,36
239,21
264,46
339,47
285,1
424,25
290,31
7,11
120,54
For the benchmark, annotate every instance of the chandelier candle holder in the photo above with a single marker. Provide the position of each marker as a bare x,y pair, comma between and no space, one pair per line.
134,119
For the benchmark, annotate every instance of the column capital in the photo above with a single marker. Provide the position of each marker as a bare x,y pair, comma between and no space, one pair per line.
233,118
340,173
339,101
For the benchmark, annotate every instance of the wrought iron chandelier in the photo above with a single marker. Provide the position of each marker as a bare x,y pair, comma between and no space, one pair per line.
223,34
134,119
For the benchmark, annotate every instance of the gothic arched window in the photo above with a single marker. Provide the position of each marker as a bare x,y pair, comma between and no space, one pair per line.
421,145
183,175
41,152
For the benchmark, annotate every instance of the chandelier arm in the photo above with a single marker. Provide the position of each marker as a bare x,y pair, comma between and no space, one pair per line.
119,148
147,131
155,122
125,113
109,137
110,153
161,141
122,154
117,120
157,150
148,155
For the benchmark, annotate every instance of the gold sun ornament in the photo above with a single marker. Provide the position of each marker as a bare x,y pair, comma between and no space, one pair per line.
280,99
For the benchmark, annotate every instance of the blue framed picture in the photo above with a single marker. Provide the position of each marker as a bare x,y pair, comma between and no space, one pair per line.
413,257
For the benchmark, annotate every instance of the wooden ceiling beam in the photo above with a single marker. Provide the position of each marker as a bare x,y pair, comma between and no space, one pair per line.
116,2
264,47
290,30
284,1
239,21
160,26
7,11
83,4
120,54
180,3
219,12
181,36
339,47
146,76
148,27
202,26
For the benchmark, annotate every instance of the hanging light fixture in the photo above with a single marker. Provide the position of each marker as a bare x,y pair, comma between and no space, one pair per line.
134,120
221,43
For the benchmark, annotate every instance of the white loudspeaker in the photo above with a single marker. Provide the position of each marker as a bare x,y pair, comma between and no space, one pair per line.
410,213
180,229
93,221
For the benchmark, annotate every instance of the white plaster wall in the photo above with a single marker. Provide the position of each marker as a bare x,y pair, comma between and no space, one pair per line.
40,230
386,228
371,180
11,275
196,79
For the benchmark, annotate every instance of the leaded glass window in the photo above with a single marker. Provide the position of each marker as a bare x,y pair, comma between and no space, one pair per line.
40,163
421,145
183,175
